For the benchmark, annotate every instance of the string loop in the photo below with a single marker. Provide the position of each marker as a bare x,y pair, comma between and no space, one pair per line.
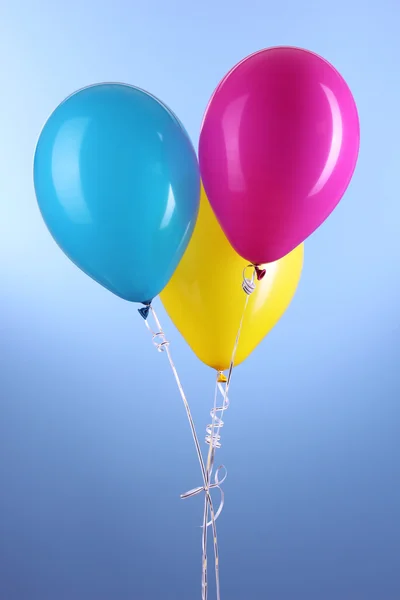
159,340
248,285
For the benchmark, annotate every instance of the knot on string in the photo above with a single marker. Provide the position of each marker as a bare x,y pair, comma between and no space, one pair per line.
213,439
210,486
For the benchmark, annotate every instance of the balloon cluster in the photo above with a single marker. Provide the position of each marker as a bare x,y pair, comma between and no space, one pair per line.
118,185
121,190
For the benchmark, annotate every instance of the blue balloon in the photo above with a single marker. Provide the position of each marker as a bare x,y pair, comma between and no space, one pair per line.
117,182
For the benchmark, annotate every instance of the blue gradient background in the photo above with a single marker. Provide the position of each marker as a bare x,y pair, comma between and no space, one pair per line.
94,445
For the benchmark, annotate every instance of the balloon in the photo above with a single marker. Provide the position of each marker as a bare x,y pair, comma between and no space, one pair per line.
117,182
205,300
278,147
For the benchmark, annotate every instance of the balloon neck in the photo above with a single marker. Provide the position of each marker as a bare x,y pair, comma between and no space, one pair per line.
221,377
260,273
144,311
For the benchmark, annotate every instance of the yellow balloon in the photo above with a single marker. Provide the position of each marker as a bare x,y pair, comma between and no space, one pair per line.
205,298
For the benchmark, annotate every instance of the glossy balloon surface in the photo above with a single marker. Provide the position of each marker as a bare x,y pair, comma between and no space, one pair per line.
278,147
205,300
117,182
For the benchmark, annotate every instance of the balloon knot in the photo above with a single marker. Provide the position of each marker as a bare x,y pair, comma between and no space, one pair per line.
144,312
221,377
260,273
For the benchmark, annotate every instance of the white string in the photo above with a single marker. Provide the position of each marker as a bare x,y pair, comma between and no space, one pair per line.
213,437
162,344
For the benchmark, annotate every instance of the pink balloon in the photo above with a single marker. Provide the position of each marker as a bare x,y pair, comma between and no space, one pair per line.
278,147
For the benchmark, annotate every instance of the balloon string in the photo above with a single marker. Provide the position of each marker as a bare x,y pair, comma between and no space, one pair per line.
213,430
162,345
213,437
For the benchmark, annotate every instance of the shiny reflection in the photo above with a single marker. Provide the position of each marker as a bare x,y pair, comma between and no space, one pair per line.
169,211
268,284
65,169
231,120
183,244
336,141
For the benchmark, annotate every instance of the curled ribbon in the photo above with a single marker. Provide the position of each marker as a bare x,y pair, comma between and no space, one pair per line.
249,285
213,439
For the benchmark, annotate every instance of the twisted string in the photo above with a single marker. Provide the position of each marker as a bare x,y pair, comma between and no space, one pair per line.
162,345
213,436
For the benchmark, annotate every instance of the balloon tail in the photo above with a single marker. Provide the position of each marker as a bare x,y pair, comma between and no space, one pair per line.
162,344
144,312
260,273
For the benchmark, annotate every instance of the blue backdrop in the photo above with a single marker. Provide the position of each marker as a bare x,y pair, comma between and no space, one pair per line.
94,445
